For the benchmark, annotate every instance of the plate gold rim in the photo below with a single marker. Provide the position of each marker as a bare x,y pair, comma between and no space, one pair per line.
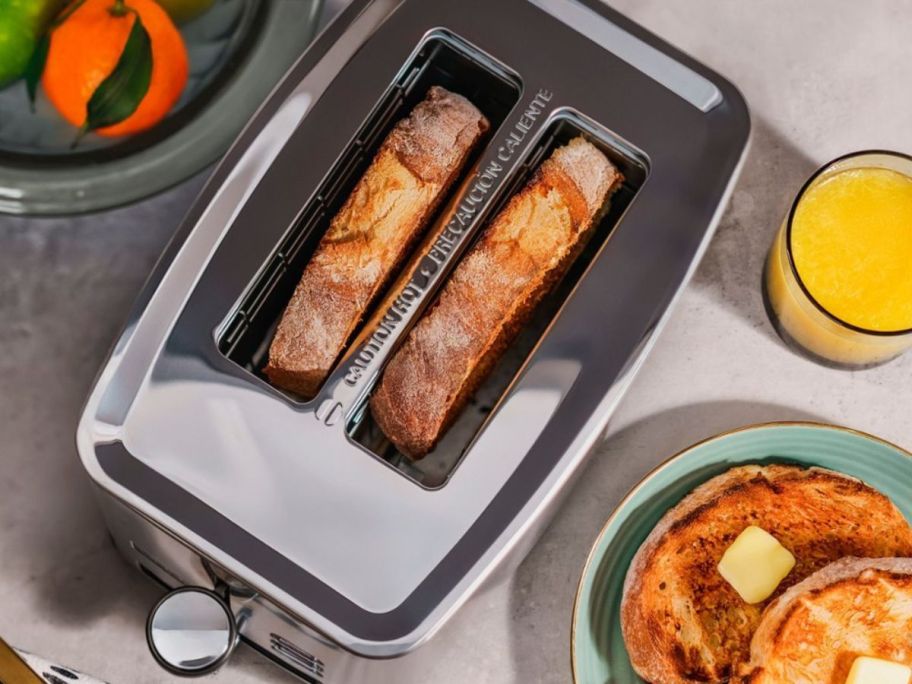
655,470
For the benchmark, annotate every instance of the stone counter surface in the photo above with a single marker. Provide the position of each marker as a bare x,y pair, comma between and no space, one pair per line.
822,77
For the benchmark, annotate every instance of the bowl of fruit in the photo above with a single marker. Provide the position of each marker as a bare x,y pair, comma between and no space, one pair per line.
104,102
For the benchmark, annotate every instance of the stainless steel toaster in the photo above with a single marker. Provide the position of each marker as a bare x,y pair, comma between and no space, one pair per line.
304,532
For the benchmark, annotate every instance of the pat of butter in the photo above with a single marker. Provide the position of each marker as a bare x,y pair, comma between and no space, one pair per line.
755,564
866,670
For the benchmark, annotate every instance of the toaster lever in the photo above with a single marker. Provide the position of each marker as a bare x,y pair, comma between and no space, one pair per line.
191,631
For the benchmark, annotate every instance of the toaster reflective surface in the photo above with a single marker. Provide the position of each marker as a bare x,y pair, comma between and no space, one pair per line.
254,457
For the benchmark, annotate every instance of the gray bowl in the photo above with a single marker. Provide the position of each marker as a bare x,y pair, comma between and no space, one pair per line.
238,50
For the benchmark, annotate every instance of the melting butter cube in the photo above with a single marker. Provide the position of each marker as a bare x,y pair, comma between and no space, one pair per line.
755,564
866,670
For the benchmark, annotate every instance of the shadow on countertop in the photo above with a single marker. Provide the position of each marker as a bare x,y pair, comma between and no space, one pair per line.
66,287
732,269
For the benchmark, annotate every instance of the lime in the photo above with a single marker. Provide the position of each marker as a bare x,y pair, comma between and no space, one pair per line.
16,48
182,11
21,24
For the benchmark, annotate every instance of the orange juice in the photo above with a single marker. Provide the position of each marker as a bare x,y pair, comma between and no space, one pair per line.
852,246
839,275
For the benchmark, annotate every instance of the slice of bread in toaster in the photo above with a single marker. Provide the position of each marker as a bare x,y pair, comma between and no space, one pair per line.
815,630
371,235
490,295
681,621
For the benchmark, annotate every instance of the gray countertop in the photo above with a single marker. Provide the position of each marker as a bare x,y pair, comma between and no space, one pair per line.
822,77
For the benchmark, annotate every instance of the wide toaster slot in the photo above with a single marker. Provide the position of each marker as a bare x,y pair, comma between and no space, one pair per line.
435,468
441,59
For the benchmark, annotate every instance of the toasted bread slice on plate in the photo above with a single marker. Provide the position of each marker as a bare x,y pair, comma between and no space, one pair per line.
682,622
814,631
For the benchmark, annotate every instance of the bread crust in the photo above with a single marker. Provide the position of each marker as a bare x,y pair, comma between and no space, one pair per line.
681,621
490,296
371,235
814,631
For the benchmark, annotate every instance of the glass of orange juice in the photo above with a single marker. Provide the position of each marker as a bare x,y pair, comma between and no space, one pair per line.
838,278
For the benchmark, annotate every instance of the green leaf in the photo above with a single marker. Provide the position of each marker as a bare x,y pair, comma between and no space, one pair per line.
36,66
118,96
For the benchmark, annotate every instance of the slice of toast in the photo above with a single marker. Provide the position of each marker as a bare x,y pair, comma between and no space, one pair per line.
371,236
682,622
492,292
815,630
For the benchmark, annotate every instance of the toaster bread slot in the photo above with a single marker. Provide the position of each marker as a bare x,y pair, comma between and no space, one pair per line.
442,61
411,428
369,238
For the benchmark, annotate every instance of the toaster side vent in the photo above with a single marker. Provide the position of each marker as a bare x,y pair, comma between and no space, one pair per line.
441,59
152,568
308,663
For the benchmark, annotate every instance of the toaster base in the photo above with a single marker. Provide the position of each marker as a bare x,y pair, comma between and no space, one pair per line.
263,624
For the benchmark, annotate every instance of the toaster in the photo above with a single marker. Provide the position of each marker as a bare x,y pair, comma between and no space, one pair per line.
293,525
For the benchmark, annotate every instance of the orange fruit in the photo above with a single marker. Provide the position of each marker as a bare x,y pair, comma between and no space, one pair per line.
86,47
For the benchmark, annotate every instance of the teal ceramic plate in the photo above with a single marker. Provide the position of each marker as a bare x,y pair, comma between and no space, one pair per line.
597,648
238,50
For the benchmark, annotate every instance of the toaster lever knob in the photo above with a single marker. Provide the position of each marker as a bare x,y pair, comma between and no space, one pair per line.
191,631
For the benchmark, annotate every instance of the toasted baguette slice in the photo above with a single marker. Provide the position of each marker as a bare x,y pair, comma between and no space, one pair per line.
371,235
490,295
814,631
681,621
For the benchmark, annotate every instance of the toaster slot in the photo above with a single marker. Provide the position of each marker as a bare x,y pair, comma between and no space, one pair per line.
441,59
435,469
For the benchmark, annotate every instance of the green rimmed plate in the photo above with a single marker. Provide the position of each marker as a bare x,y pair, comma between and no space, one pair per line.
597,648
